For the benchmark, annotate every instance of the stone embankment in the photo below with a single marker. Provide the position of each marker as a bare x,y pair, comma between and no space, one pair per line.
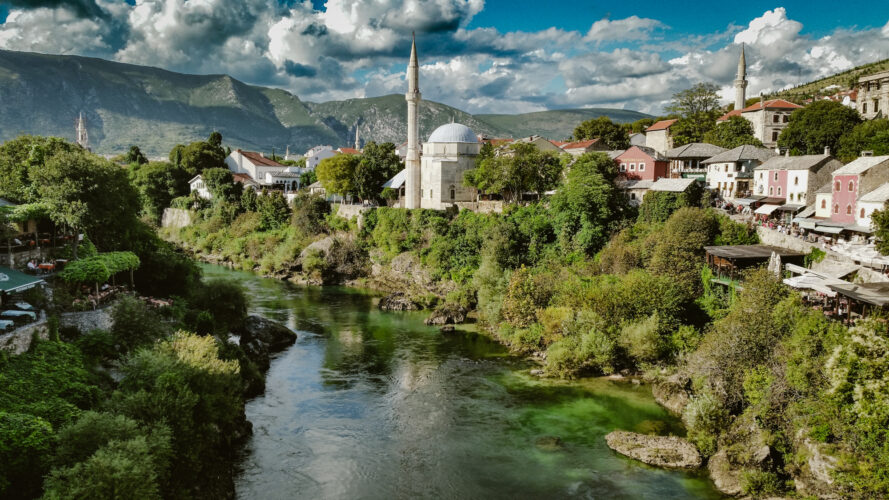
19,340
260,338
660,451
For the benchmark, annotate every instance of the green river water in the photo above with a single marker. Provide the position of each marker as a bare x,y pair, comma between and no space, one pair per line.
372,404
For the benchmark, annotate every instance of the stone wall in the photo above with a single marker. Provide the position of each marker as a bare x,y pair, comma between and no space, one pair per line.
20,259
482,207
176,218
349,211
19,340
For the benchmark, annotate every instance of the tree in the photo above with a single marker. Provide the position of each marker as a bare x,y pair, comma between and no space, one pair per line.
379,163
734,132
337,174
611,134
215,139
680,246
222,185
158,183
521,167
880,221
658,206
273,210
20,158
588,204
698,108
134,155
639,125
308,178
870,135
819,125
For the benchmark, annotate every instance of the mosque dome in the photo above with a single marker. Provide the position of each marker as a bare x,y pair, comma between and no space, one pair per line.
453,132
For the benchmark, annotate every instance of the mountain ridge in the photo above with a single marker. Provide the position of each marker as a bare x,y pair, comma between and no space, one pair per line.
154,108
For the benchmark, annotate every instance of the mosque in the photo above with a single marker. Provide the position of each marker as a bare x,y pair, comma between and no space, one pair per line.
434,179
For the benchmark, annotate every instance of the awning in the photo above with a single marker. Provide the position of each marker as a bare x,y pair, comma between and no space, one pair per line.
766,209
859,229
810,281
830,229
808,212
773,201
872,293
13,281
805,222
790,208
748,200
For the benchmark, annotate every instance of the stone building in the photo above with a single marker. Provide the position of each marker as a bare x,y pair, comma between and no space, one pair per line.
657,136
873,95
687,161
769,118
730,174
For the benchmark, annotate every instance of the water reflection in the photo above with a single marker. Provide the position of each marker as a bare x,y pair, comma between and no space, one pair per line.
374,405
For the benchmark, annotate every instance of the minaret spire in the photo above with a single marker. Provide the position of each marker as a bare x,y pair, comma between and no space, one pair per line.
81,134
412,161
741,81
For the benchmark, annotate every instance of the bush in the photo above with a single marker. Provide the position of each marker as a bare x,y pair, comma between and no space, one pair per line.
225,302
761,484
643,340
704,418
135,324
586,345
25,444
526,294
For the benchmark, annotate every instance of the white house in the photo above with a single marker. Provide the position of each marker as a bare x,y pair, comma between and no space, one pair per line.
730,173
287,179
256,165
316,154
875,200
197,184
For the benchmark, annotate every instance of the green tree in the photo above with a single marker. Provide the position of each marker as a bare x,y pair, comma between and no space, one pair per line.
308,178
658,206
588,205
273,210
379,163
611,134
680,247
734,132
200,156
519,168
819,125
871,135
134,155
221,184
639,126
337,174
158,183
309,213
698,108
880,221
20,158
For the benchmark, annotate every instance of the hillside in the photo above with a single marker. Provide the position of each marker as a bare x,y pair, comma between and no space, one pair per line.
126,104
556,124
844,81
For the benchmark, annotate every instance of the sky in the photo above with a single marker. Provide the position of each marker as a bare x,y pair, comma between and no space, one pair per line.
482,56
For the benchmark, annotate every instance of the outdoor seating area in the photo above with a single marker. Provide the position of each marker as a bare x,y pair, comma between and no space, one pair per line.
15,312
838,299
731,260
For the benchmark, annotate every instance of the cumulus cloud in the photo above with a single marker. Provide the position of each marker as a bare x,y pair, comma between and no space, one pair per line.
357,48
631,28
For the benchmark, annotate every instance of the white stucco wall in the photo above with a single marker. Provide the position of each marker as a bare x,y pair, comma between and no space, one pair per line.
441,171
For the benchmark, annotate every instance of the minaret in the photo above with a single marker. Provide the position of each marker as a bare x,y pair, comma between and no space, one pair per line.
412,162
357,141
741,82
80,130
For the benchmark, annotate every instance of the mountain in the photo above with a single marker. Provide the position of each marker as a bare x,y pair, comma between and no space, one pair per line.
126,104
556,124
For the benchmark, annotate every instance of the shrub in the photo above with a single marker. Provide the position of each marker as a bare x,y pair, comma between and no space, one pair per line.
25,443
225,302
525,294
586,345
135,324
761,484
704,418
643,340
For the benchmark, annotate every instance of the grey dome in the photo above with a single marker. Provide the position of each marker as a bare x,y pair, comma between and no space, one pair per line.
453,132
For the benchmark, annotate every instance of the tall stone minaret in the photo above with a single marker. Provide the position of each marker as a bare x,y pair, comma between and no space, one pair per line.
412,162
357,140
741,82
80,130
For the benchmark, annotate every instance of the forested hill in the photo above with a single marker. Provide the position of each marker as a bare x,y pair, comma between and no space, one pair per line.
125,104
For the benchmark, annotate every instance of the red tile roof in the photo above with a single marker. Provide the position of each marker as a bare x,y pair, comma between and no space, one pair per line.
661,125
258,159
772,104
734,112
349,151
243,178
579,144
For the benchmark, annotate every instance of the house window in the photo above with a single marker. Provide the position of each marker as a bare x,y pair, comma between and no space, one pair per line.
823,203
796,181
848,209
836,208
776,118
774,135
776,176
453,192
771,190
632,167
623,167
632,196
786,118
430,193
837,186
861,213
864,108
851,185
876,105
779,190
641,167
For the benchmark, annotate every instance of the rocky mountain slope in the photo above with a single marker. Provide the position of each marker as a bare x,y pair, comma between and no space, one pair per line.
126,104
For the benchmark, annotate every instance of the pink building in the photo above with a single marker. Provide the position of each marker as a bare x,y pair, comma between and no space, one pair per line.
851,182
794,178
642,163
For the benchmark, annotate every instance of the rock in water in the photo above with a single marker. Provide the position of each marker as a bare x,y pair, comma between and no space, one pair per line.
261,337
397,301
726,477
661,451
447,314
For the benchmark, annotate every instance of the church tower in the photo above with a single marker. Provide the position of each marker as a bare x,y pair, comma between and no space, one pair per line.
80,130
741,82
412,162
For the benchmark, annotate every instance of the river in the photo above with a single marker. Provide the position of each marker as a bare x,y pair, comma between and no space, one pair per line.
372,404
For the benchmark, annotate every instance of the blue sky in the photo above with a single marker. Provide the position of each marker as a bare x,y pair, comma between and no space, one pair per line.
495,56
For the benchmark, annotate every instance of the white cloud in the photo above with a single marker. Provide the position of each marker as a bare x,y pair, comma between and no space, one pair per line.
631,28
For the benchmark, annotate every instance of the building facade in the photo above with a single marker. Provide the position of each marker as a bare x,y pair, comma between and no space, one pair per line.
642,163
688,160
730,174
794,178
450,151
657,136
769,118
256,165
873,95
315,155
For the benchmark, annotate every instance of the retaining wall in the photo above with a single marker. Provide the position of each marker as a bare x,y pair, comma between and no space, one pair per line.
176,218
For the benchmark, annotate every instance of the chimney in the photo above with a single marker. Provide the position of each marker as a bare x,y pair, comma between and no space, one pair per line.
826,150
262,154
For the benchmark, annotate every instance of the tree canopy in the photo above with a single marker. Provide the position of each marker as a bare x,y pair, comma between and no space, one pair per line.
199,156
158,183
734,132
698,108
613,135
818,125
337,173
871,135
519,168
379,163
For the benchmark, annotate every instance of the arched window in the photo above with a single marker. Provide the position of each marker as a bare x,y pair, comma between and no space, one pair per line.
837,186
771,190
851,185
836,208
861,214
776,176
823,203
779,190
796,181
453,192
848,209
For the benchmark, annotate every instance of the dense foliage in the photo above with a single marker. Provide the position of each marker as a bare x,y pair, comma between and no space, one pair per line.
612,135
734,132
516,169
697,108
818,126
